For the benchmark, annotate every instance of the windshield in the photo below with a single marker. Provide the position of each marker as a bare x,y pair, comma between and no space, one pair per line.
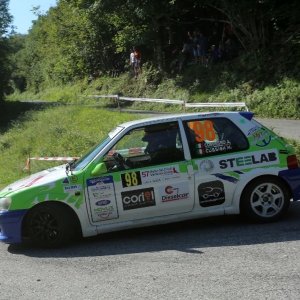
86,158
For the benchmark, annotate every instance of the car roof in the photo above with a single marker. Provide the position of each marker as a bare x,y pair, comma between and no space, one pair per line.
175,117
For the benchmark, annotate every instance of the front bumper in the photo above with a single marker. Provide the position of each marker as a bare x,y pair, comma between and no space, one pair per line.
11,226
292,178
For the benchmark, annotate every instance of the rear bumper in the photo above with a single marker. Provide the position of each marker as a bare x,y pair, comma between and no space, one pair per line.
292,178
11,226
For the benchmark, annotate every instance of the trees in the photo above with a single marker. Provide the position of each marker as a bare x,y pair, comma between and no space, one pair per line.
77,37
5,20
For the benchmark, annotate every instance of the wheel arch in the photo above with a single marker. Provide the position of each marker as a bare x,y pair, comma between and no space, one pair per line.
58,204
261,177
248,178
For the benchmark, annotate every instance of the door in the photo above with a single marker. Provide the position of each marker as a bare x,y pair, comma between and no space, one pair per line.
147,170
212,141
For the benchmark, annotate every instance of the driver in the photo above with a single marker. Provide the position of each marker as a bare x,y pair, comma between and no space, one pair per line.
158,147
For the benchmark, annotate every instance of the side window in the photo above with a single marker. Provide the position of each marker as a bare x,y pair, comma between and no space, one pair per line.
207,137
146,146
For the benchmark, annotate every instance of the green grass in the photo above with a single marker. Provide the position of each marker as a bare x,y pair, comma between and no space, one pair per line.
54,131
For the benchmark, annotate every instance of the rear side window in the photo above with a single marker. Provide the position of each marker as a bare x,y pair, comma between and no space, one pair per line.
208,137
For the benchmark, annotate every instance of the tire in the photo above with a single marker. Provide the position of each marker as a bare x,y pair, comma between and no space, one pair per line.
265,199
50,225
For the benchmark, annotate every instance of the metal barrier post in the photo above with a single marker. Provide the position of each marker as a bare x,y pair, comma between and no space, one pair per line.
119,103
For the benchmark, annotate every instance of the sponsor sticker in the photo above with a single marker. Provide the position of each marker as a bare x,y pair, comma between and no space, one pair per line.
73,178
138,198
160,174
106,208
103,202
255,159
211,193
212,147
101,189
101,180
100,195
72,188
261,136
33,181
174,192
66,181
104,213
239,161
102,198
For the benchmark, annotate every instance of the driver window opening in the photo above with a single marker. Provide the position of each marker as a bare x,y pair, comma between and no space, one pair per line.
146,146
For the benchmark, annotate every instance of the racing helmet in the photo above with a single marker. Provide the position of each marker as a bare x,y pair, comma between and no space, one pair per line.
157,141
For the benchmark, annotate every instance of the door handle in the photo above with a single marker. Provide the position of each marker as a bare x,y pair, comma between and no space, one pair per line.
190,170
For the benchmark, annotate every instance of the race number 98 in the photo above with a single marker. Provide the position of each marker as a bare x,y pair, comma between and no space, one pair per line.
203,131
131,179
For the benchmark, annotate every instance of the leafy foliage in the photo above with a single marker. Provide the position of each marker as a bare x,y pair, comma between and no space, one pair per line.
78,38
5,20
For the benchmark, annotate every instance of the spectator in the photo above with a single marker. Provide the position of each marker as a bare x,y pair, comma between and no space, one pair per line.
196,48
230,49
93,76
203,48
132,60
221,52
214,39
187,54
137,63
174,65
214,55
115,71
211,55
189,36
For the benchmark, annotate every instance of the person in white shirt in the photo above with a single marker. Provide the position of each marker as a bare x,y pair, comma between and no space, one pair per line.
132,59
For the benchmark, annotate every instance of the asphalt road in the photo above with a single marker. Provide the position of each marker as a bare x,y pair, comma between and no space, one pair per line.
282,127
214,258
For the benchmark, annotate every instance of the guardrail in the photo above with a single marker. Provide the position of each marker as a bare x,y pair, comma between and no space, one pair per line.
169,101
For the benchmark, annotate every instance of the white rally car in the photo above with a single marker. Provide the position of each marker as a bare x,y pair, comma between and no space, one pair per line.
155,171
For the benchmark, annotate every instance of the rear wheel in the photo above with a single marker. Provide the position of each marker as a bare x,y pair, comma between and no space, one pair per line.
265,199
50,225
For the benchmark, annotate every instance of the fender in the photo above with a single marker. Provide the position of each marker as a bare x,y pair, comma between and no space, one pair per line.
247,177
76,203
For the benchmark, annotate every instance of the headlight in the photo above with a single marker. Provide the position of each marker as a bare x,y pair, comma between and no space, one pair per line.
5,203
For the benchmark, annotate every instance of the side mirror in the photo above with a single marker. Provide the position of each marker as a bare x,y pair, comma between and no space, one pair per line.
99,169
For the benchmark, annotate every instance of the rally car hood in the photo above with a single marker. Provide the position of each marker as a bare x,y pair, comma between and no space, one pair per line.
37,179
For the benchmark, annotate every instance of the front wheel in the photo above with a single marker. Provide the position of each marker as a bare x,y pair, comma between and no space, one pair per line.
50,225
265,199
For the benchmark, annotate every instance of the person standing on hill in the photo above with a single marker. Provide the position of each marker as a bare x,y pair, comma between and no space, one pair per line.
132,60
203,48
137,63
